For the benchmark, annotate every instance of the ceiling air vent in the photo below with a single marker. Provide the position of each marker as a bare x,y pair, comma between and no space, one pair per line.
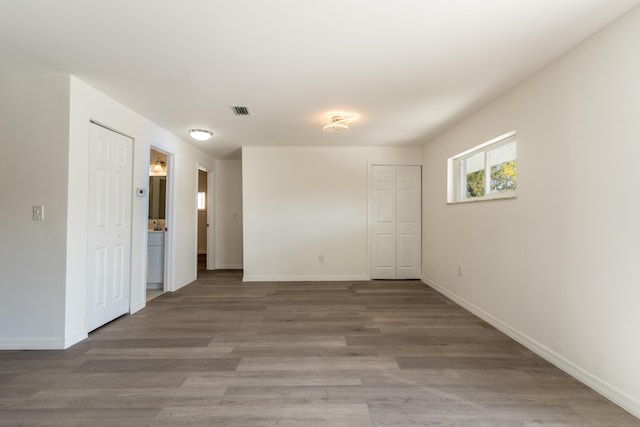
240,110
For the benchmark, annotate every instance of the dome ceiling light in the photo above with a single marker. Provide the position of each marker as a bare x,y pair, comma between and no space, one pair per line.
339,121
200,134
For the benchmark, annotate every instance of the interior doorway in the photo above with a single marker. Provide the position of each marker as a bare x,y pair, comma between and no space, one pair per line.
203,222
205,239
158,220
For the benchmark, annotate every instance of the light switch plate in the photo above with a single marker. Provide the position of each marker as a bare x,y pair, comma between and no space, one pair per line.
38,212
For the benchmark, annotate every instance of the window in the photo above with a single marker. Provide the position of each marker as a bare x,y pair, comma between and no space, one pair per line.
485,172
201,201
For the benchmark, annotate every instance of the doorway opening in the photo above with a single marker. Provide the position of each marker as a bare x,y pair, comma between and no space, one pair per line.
205,241
203,223
158,237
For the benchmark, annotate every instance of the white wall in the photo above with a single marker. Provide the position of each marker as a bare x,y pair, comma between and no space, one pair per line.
89,104
228,214
301,203
45,135
34,140
556,268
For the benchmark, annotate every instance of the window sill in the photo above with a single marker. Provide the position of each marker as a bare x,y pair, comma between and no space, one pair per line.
490,198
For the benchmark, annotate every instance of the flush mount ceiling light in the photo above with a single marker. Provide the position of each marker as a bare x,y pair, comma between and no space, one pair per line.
339,121
200,134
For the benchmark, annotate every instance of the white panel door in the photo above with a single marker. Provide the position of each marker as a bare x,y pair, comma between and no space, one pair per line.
383,217
409,222
395,222
109,226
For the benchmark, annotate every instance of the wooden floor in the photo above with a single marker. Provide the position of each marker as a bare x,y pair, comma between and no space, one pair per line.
223,353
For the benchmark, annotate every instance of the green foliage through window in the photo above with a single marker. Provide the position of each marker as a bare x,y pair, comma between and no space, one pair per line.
475,184
503,177
486,171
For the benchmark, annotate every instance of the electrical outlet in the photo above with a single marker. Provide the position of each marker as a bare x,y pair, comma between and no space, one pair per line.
38,212
321,259
460,270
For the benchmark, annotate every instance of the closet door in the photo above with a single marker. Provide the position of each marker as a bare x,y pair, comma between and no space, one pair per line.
408,222
383,218
109,226
395,215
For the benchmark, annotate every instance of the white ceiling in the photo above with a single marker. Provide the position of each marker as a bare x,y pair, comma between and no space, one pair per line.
408,68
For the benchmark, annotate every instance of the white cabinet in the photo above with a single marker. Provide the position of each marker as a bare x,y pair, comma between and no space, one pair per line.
155,260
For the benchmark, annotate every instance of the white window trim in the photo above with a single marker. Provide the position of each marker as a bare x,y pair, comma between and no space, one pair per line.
456,192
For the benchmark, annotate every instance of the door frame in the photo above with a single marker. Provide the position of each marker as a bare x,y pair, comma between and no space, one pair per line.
169,246
210,203
370,165
211,220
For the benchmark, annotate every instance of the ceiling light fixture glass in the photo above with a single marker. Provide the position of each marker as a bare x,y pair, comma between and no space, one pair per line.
338,122
200,134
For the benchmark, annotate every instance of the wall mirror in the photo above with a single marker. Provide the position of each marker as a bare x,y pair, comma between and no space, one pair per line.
157,185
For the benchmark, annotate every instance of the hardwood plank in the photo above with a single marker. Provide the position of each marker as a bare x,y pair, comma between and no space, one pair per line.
277,378
71,380
422,339
366,394
320,415
472,362
11,396
315,363
6,377
472,415
78,417
293,350
150,343
159,365
125,397
444,377
209,352
276,340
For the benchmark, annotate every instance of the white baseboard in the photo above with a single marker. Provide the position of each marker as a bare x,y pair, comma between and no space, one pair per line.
137,307
31,344
617,396
182,284
305,278
75,338
229,267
